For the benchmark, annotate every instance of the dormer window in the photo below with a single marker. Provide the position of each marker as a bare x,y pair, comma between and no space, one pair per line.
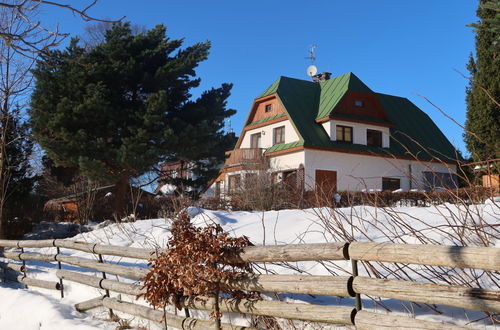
269,108
344,133
359,103
374,138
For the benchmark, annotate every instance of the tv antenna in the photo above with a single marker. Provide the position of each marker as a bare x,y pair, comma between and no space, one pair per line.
311,54
312,69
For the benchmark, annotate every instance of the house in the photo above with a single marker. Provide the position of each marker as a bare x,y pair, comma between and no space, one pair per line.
171,171
94,202
338,133
177,178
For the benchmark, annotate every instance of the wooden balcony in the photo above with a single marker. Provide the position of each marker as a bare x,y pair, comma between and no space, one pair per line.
245,156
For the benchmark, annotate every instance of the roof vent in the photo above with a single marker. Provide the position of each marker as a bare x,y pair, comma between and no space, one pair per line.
322,76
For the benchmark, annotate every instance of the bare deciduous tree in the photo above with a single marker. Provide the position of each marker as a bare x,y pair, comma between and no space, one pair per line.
37,37
15,81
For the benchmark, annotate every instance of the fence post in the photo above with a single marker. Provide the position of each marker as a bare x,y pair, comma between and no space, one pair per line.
357,297
107,291
24,264
59,267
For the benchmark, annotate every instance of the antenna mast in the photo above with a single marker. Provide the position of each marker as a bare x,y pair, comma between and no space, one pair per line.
311,54
312,70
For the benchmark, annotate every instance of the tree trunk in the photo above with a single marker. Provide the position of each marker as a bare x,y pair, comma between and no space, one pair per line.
2,231
120,198
216,310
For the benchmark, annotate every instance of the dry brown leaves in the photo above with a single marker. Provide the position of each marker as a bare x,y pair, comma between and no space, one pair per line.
195,264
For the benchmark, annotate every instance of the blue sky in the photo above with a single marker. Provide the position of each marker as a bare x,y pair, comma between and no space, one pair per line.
403,48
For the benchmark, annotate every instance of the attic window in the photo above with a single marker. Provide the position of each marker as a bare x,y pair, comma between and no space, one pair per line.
359,103
344,133
374,138
269,108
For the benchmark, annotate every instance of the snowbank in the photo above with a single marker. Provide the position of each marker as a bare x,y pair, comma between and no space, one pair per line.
436,224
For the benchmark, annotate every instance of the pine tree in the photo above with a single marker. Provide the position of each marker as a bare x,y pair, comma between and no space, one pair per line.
118,109
483,93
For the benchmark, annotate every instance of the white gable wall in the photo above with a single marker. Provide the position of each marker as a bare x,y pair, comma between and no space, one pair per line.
357,172
267,134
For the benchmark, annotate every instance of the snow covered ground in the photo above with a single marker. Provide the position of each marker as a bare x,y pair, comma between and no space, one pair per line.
444,224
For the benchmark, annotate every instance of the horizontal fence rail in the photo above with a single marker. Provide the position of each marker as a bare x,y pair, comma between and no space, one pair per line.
487,259
431,255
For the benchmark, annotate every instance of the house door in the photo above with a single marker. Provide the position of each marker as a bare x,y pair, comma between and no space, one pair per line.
326,181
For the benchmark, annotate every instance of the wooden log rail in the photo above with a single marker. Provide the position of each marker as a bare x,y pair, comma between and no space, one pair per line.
485,258
299,284
171,319
344,286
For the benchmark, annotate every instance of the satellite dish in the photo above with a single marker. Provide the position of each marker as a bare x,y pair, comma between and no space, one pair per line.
312,70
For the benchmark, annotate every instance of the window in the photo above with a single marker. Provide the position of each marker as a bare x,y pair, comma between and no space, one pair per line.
269,108
391,184
234,183
373,138
255,140
279,135
344,133
436,180
217,189
359,103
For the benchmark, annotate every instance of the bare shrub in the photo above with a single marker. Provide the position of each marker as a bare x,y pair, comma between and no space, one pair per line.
260,191
381,218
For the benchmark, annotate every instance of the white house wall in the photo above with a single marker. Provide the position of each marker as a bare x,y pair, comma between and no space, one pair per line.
267,134
358,131
287,161
358,172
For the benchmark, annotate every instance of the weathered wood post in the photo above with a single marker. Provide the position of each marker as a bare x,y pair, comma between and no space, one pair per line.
59,267
357,297
24,265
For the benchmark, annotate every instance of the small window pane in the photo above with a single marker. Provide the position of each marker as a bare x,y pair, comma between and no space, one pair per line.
269,108
348,134
359,103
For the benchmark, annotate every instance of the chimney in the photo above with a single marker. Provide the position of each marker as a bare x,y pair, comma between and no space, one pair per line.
322,76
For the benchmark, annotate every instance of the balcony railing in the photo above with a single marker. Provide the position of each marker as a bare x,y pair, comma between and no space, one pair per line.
245,156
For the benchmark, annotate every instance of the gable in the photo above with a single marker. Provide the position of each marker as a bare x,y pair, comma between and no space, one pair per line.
263,109
360,107
333,91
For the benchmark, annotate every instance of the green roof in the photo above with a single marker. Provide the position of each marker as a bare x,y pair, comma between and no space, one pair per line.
284,146
305,101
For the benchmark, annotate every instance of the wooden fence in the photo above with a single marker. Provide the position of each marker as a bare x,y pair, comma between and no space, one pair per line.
342,286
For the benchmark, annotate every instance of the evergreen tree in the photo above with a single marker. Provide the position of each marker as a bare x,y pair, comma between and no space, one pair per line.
483,93
118,109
